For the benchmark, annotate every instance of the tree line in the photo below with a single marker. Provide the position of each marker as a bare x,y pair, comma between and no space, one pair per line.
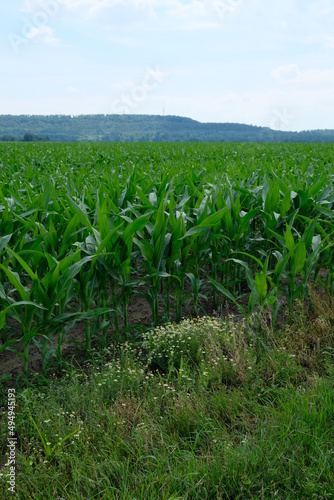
142,128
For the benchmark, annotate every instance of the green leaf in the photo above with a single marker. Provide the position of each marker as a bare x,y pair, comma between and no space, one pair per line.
285,204
280,266
261,286
112,237
279,237
25,266
316,188
133,227
272,198
160,221
79,316
6,346
68,275
251,257
308,234
20,303
54,275
194,230
145,248
207,223
4,241
214,219
80,213
298,258
69,233
16,283
289,241
253,300
227,294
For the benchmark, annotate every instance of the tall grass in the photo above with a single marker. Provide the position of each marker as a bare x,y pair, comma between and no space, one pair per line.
189,411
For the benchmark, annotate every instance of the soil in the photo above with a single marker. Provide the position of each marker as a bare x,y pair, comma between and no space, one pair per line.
139,317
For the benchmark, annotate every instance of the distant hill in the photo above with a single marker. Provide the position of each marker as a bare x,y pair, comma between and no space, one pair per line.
150,128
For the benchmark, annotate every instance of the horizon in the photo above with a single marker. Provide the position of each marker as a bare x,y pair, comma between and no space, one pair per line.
216,61
165,116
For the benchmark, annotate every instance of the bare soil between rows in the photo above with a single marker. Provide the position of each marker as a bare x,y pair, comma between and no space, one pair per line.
139,317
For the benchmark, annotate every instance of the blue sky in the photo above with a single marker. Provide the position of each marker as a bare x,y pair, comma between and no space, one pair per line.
247,61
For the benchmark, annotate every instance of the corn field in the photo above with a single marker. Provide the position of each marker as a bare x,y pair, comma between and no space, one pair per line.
84,228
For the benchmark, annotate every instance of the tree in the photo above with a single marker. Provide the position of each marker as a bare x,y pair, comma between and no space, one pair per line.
29,137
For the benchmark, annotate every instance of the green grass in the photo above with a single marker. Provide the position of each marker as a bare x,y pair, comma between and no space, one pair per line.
224,420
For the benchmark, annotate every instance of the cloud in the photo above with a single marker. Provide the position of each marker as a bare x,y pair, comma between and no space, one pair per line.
72,90
125,41
329,42
193,10
326,10
291,74
199,26
42,34
286,74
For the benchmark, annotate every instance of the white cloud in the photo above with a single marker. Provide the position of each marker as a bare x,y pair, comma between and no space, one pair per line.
42,34
30,5
72,90
326,10
329,42
176,9
286,74
198,26
291,74
125,41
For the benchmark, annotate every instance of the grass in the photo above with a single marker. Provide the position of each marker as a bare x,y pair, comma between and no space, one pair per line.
193,411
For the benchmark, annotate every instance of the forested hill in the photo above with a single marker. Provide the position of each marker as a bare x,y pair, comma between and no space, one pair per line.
129,128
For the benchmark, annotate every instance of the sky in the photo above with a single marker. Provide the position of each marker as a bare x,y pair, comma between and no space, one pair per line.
268,63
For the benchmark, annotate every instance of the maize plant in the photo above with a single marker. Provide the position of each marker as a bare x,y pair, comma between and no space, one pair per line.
86,228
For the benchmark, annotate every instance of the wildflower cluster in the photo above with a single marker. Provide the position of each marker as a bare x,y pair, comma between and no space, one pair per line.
194,341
